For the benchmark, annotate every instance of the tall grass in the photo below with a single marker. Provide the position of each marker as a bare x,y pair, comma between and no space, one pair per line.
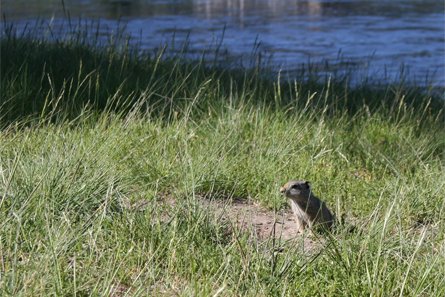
43,78
87,132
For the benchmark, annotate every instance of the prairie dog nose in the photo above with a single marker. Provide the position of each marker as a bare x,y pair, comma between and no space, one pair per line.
282,190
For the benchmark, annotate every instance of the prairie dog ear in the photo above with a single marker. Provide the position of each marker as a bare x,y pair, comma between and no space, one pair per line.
308,184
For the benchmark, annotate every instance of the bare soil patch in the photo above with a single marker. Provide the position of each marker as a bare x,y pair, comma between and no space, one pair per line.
263,224
248,216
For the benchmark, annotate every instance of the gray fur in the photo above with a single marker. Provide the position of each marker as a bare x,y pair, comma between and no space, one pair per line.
309,210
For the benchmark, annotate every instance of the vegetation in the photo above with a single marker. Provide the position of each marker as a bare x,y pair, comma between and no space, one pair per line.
88,132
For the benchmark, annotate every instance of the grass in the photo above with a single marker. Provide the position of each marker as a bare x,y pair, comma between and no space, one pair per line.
87,130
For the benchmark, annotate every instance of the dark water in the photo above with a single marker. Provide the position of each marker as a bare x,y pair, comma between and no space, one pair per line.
376,38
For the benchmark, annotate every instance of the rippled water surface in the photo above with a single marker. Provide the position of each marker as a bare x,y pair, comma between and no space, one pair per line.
377,37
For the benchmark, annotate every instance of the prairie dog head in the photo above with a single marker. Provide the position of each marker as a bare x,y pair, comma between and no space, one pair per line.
296,189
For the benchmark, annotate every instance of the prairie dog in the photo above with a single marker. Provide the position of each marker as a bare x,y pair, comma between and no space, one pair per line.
309,211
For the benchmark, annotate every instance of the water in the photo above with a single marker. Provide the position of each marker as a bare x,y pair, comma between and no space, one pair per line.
378,39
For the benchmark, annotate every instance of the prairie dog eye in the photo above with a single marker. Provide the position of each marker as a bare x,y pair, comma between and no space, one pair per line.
296,186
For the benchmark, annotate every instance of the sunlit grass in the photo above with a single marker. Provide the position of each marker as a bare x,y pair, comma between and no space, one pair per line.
88,131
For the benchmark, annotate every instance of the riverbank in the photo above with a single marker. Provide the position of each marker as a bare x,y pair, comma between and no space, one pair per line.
90,134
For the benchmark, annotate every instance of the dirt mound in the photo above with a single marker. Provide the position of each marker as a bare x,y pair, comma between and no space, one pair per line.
252,217
262,224
249,216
